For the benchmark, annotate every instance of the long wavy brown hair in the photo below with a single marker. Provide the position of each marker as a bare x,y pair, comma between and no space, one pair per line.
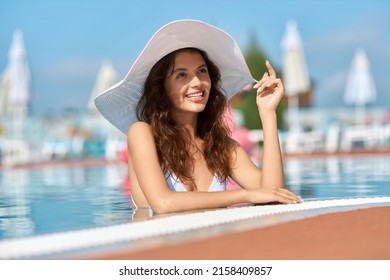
171,139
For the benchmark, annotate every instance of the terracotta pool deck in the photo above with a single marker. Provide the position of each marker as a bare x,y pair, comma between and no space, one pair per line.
362,234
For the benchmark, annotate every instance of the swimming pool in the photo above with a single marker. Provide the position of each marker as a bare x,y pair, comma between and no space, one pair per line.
57,199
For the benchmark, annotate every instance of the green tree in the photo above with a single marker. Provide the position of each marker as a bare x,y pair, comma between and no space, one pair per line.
255,58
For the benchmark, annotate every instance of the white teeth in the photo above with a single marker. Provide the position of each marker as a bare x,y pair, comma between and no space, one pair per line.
195,95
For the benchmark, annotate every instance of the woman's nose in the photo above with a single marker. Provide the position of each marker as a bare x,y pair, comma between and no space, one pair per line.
196,81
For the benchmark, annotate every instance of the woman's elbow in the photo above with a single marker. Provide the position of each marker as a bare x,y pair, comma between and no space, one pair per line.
162,206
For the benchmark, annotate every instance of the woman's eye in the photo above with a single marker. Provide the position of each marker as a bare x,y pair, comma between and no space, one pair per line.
203,71
181,75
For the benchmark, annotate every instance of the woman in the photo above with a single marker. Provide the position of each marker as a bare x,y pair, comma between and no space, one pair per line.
180,153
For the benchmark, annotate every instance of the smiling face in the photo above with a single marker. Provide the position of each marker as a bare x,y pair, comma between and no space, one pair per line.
188,83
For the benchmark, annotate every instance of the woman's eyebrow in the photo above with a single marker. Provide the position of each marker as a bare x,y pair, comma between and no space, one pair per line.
179,69
185,69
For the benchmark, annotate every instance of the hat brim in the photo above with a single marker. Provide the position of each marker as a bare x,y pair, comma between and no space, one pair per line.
118,104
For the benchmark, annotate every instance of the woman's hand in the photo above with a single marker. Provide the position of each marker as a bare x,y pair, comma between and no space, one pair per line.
270,90
266,195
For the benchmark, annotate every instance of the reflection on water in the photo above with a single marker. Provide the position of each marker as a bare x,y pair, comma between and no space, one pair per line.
60,199
338,178
56,199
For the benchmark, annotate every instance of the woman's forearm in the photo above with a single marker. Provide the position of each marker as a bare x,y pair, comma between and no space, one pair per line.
272,167
187,201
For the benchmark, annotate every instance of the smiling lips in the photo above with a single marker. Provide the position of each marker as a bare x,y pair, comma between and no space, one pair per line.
195,97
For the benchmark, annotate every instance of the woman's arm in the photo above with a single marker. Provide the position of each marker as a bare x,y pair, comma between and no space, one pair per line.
272,166
270,91
148,182
245,173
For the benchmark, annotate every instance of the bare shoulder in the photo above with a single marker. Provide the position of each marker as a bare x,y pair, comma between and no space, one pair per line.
239,155
236,147
140,133
139,127
139,130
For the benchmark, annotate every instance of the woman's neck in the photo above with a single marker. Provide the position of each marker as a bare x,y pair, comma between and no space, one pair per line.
188,122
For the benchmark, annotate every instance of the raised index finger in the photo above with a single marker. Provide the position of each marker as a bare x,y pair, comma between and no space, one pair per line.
271,70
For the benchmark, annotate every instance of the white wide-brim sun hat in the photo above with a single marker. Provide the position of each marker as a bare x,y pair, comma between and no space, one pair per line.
118,103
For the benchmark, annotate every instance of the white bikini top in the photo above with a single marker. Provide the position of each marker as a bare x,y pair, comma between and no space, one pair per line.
177,186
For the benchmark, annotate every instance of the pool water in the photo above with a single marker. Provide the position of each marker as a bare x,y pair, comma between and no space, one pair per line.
58,199
338,177
49,200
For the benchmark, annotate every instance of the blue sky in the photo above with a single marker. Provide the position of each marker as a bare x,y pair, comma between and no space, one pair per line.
67,41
